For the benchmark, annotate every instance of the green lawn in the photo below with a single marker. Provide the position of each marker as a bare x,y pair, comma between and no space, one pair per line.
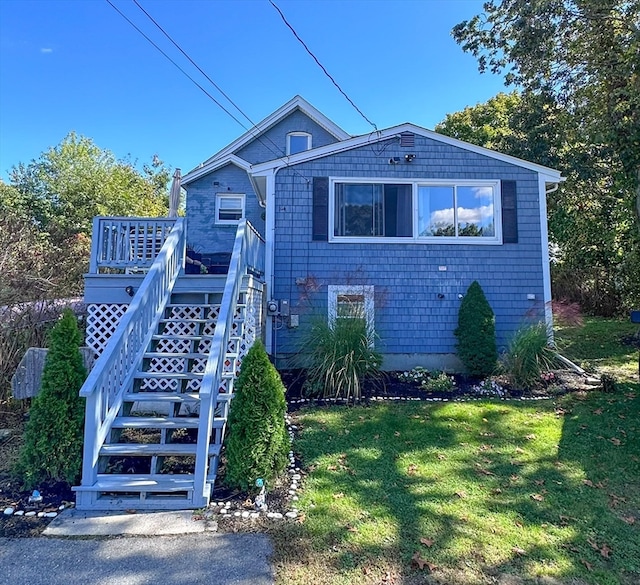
478,490
598,345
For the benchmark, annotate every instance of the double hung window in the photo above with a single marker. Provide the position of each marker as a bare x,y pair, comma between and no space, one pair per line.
229,208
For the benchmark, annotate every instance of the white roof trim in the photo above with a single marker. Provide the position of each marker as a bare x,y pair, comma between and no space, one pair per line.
214,166
552,175
297,102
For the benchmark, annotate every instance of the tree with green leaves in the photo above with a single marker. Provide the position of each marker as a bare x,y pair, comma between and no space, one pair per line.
52,449
76,180
596,247
57,195
585,56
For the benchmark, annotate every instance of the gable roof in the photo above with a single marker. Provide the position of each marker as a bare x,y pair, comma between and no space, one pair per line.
552,175
296,103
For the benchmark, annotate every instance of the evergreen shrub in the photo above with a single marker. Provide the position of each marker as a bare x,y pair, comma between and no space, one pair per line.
476,333
52,449
257,443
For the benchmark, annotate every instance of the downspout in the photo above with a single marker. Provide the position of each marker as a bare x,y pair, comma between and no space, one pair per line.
270,228
546,262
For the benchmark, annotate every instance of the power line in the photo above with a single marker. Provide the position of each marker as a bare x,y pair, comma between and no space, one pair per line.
236,106
176,65
250,131
295,34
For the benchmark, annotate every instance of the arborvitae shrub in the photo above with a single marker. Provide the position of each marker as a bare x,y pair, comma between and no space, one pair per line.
52,447
476,333
257,444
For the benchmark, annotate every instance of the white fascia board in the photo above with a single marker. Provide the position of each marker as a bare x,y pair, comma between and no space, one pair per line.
552,175
214,166
297,102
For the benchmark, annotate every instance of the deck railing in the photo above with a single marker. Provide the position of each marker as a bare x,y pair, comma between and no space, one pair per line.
114,370
127,243
247,256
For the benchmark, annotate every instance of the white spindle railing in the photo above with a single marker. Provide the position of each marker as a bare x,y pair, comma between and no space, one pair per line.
127,242
115,368
248,255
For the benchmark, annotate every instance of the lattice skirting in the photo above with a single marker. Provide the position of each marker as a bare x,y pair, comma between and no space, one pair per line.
102,321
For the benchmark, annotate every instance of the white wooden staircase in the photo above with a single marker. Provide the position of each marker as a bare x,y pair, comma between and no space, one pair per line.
153,437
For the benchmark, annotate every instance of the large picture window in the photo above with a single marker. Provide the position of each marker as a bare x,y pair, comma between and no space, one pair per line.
456,211
373,209
422,211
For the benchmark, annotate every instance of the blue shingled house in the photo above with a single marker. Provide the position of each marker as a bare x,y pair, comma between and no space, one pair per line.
294,218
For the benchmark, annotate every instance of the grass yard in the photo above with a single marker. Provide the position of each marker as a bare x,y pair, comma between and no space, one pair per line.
484,492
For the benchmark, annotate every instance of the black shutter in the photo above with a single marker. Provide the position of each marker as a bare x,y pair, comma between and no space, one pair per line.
320,229
509,213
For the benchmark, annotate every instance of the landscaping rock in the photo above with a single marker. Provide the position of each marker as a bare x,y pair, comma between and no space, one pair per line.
9,511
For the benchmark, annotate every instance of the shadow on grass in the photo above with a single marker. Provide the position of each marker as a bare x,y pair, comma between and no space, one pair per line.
498,488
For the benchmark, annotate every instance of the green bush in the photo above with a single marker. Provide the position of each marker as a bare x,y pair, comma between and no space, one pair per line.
528,357
257,444
439,382
476,333
52,447
339,357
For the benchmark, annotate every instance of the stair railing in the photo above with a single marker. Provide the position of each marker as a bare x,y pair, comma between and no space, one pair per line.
247,255
114,370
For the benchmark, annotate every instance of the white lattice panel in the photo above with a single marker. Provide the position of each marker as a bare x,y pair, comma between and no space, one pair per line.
183,321
102,321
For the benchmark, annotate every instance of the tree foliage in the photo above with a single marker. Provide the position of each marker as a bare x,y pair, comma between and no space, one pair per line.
596,247
53,200
257,444
52,448
582,54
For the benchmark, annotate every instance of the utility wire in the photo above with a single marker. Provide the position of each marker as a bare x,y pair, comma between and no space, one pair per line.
277,154
295,34
176,65
177,46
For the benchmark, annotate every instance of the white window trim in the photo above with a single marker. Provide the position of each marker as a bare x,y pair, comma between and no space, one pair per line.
306,134
415,183
367,290
220,196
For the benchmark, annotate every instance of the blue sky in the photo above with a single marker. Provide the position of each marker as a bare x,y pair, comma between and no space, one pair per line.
78,66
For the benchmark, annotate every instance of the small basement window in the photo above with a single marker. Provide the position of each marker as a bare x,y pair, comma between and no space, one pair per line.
352,302
298,142
229,208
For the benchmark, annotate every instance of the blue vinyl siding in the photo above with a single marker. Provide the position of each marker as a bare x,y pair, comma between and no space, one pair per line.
409,316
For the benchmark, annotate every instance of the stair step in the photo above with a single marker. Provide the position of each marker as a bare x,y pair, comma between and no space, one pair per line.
184,355
148,449
122,483
169,337
159,422
194,320
176,375
161,397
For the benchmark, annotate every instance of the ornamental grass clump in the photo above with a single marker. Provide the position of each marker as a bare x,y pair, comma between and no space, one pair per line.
257,443
528,358
476,333
52,449
339,357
